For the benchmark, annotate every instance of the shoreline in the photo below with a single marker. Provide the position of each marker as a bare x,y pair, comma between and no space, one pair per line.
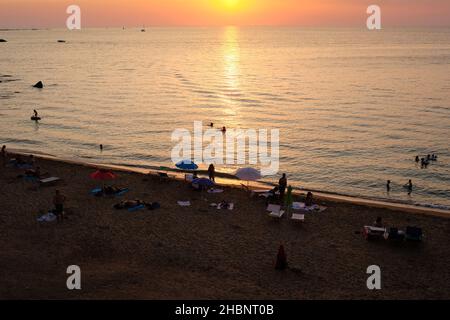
228,180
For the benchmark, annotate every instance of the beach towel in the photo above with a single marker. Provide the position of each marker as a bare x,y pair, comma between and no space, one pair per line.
215,191
49,180
99,192
303,207
136,208
49,217
184,203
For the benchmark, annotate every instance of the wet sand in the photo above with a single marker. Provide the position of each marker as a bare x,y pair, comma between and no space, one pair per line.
199,252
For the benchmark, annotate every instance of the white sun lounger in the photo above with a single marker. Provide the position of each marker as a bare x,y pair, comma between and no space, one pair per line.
275,211
298,217
49,181
184,203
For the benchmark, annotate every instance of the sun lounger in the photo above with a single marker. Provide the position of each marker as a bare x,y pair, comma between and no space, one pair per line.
221,206
373,233
394,234
184,203
136,208
414,234
275,211
49,181
298,217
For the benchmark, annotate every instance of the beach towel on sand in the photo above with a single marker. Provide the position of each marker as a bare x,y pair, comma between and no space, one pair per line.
215,191
303,207
223,206
49,217
184,203
99,192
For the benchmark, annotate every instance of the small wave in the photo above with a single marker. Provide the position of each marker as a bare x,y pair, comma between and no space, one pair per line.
433,206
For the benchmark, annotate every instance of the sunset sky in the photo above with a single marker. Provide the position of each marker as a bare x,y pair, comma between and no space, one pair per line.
117,13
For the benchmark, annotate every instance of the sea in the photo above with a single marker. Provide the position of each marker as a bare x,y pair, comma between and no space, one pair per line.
353,107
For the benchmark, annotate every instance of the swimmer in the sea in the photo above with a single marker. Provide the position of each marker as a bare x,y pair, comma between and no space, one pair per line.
224,129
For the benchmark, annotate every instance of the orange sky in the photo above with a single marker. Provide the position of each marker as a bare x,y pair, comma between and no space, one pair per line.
116,13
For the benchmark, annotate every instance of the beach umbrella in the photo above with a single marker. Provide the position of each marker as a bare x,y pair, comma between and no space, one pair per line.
186,165
204,182
103,175
248,174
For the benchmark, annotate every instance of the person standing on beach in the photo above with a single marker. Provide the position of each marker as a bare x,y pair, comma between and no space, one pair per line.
3,155
212,172
282,185
58,201
388,186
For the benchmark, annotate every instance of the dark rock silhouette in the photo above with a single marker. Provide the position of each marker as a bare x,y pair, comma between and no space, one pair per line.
3,40
62,41
39,85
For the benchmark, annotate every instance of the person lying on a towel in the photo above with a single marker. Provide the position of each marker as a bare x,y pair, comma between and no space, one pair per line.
109,191
128,204
131,204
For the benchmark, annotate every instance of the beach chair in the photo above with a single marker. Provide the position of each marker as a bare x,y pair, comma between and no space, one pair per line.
228,206
298,217
373,233
394,234
48,181
414,234
189,177
163,176
275,211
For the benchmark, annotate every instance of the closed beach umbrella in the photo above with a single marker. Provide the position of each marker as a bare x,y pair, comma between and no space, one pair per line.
186,165
103,175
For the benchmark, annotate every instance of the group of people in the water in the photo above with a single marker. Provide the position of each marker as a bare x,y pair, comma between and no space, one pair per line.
224,129
409,186
425,161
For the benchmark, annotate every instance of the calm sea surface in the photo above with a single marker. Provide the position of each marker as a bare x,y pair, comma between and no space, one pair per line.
353,107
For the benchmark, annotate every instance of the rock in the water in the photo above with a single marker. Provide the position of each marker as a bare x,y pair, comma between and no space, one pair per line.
3,40
62,41
39,85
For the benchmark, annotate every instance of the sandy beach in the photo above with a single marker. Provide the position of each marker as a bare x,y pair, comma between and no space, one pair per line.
199,252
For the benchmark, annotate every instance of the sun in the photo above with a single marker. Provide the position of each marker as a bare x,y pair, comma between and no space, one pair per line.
231,4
